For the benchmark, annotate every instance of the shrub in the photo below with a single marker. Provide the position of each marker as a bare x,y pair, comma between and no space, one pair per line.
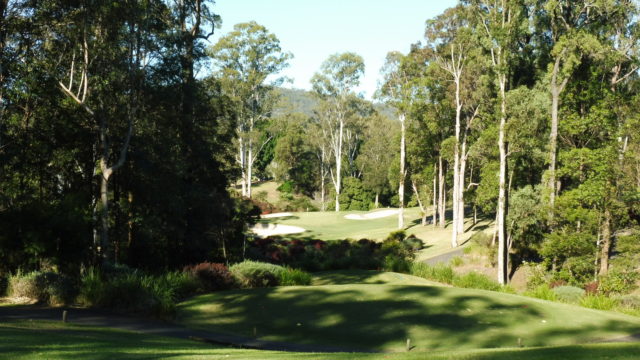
134,291
397,235
211,276
537,275
598,302
293,277
568,294
456,261
543,292
439,273
474,280
629,304
47,287
253,274
618,282
413,242
591,288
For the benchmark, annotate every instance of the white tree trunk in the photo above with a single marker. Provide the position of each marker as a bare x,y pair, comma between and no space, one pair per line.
402,173
338,154
503,256
242,160
461,175
442,200
435,197
250,161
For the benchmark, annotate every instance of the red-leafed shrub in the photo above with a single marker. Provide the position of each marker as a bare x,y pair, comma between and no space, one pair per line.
556,283
591,288
212,276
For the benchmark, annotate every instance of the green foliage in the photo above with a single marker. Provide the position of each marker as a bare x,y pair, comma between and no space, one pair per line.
354,196
617,282
46,287
537,275
131,290
456,261
253,274
543,292
294,277
440,273
286,187
568,294
474,280
598,302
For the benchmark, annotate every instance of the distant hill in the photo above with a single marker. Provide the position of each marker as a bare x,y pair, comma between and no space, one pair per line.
303,101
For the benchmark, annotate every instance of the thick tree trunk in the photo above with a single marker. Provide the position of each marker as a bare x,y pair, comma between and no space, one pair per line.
502,190
605,250
402,173
377,198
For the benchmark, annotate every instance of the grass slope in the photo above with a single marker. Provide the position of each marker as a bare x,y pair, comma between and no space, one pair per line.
53,340
382,316
331,225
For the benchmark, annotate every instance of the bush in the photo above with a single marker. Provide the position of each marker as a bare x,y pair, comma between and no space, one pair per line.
397,235
439,273
47,287
629,304
543,292
413,242
476,281
211,276
598,302
537,275
568,294
253,274
618,282
294,277
134,291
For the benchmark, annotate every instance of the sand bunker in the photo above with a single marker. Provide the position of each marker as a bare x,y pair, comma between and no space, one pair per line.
264,230
372,215
276,215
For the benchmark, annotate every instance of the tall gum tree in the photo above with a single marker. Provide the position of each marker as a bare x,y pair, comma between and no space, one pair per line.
246,57
338,76
396,91
500,22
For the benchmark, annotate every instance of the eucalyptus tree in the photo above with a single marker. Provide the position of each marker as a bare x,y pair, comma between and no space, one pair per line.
396,91
246,58
376,154
500,22
456,55
335,83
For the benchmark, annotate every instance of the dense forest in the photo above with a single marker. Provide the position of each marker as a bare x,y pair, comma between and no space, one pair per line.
128,136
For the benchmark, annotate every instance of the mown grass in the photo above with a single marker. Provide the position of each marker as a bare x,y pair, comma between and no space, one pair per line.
381,317
331,225
52,340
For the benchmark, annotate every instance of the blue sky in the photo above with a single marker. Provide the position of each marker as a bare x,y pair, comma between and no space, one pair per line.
314,29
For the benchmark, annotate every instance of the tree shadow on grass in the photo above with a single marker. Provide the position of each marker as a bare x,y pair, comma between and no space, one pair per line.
382,317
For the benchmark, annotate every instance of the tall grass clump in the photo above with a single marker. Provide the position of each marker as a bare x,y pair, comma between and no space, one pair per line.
135,291
45,287
294,277
543,292
439,273
598,302
476,281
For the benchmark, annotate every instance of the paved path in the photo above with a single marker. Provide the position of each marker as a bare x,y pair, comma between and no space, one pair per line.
99,318
444,258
